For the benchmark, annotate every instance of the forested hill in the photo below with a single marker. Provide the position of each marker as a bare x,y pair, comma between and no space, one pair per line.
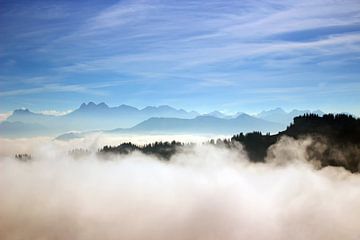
340,128
338,135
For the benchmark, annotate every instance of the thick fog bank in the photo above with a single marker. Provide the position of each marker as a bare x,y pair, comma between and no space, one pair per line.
92,142
205,192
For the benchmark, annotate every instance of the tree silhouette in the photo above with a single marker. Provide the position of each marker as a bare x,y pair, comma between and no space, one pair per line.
338,134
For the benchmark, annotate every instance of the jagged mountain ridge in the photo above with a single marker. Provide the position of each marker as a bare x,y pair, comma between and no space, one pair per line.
91,117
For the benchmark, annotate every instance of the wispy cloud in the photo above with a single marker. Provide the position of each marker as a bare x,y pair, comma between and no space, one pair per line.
189,58
118,14
155,33
195,45
92,88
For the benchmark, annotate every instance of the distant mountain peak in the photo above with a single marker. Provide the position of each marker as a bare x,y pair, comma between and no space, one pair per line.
167,107
243,115
103,105
22,111
149,108
162,107
92,105
318,112
216,113
206,117
297,111
87,105
275,110
127,107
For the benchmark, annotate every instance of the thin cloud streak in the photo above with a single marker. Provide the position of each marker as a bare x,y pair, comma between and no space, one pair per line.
191,58
77,88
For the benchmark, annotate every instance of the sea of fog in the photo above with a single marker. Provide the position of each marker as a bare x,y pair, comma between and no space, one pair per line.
204,192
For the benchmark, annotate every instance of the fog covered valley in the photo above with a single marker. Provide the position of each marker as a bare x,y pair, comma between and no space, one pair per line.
303,187
179,120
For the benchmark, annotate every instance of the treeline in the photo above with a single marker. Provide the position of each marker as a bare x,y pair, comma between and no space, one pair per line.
162,150
338,135
79,153
23,157
336,139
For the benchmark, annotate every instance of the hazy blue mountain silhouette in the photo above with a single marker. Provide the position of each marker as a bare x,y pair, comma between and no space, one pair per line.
101,116
280,116
219,114
70,135
26,116
203,124
92,117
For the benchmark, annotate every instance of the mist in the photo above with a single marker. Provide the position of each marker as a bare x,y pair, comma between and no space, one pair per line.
204,192
91,142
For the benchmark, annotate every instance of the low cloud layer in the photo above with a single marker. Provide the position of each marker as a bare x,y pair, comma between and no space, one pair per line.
205,192
92,142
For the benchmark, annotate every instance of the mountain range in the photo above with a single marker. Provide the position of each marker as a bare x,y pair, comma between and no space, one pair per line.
280,116
203,124
93,116
128,119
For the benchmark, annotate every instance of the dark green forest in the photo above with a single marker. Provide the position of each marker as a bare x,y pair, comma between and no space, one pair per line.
338,134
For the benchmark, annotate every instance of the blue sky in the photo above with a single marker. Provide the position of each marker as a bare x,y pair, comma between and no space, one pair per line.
198,55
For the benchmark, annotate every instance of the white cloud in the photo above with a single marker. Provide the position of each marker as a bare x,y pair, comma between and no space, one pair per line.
90,88
55,113
118,15
4,116
203,193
